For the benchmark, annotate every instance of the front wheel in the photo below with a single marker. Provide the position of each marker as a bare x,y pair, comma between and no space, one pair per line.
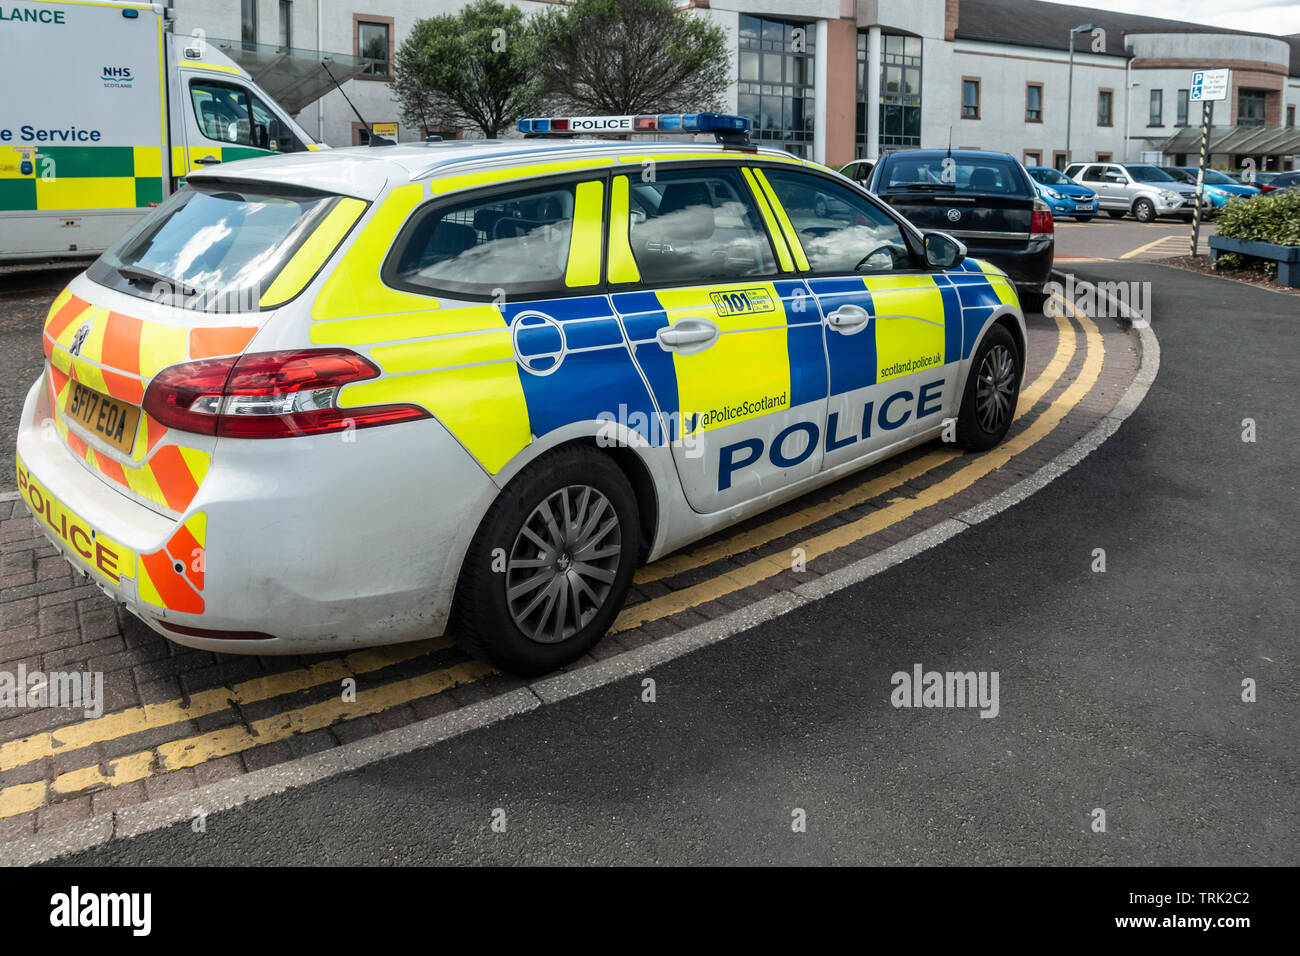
550,565
1144,210
988,404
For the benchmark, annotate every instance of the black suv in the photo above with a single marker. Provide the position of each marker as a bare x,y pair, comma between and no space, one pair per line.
985,199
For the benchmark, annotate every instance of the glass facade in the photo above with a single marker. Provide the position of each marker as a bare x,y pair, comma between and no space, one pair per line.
775,75
900,93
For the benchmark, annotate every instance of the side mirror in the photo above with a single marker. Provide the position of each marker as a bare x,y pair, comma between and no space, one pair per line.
942,251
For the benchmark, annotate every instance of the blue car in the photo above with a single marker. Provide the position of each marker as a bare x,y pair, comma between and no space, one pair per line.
1063,194
1219,187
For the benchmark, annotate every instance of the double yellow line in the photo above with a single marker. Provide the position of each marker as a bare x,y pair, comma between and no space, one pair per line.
191,751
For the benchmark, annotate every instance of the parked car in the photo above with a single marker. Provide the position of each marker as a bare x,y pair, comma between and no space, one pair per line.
985,199
1144,190
859,170
1063,194
1219,186
1255,177
1289,180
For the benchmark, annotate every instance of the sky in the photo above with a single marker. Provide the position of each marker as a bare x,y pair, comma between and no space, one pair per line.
1278,17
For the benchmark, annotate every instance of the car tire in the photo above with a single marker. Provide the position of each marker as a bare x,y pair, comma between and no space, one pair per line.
1032,301
988,404
1115,213
506,572
1144,210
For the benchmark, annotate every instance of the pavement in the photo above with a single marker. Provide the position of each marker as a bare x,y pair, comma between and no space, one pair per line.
1121,690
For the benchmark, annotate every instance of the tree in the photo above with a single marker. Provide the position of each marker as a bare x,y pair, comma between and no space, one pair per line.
476,68
633,56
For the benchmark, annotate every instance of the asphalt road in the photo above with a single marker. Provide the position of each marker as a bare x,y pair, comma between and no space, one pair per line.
1106,238
1118,690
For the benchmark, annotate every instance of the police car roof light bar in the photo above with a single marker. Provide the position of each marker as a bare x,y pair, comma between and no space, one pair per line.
727,129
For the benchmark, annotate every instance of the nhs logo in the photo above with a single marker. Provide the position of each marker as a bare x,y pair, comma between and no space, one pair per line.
117,76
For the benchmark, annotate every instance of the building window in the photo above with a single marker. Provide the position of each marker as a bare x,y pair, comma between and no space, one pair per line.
1105,102
1155,116
970,98
248,22
900,92
1181,119
775,81
1103,157
1250,108
1060,160
1034,103
286,24
374,47
1033,157
1290,116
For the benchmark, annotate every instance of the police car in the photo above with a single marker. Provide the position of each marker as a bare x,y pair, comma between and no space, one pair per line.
371,395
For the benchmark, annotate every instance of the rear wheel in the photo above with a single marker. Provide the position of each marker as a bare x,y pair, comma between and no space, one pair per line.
992,389
1144,210
550,565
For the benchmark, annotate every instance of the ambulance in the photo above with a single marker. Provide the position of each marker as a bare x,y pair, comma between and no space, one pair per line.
375,394
105,112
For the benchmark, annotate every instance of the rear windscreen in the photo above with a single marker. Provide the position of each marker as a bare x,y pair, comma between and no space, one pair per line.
989,175
216,247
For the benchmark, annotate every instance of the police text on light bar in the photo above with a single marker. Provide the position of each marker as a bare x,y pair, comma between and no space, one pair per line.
652,123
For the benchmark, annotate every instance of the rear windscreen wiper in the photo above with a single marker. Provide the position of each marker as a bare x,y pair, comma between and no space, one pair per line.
135,274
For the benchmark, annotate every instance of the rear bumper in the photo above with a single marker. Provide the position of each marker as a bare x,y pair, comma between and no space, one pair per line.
322,543
1028,267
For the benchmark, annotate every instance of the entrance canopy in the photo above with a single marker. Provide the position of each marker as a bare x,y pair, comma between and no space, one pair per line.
1245,140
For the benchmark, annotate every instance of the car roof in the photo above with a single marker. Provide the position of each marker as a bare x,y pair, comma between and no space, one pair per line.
956,154
365,171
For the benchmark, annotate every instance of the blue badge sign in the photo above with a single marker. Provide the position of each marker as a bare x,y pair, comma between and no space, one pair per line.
1209,85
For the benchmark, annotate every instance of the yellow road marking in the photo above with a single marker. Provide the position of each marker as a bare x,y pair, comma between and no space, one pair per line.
15,753
191,751
1141,249
890,514
788,524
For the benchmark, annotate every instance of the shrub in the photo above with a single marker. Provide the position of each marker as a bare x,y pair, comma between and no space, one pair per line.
1269,217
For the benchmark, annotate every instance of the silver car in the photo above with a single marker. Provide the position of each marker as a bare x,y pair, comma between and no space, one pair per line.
1144,190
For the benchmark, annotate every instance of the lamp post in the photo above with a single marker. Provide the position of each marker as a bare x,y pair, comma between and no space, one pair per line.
1069,88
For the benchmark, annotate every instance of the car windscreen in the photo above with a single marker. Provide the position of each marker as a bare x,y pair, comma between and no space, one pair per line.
213,247
1149,174
985,175
1216,178
1184,176
1050,177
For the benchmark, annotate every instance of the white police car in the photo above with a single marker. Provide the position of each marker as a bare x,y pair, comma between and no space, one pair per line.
365,395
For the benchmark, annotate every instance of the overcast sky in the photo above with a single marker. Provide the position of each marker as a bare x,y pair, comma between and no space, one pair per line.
1260,16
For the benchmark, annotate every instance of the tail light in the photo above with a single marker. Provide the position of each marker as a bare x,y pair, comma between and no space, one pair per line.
268,395
1266,188
1040,221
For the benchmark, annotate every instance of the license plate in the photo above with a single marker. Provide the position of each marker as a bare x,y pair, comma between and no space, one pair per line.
111,420
1084,205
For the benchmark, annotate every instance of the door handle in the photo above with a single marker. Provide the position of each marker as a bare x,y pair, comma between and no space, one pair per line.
849,318
688,336
207,160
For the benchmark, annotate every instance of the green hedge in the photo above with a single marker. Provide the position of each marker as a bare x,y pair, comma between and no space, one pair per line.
1269,217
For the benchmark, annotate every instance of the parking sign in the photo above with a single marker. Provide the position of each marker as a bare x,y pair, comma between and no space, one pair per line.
1209,85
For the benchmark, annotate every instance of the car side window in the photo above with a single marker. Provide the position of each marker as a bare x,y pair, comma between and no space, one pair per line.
840,230
695,226
516,241
1093,174
225,114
